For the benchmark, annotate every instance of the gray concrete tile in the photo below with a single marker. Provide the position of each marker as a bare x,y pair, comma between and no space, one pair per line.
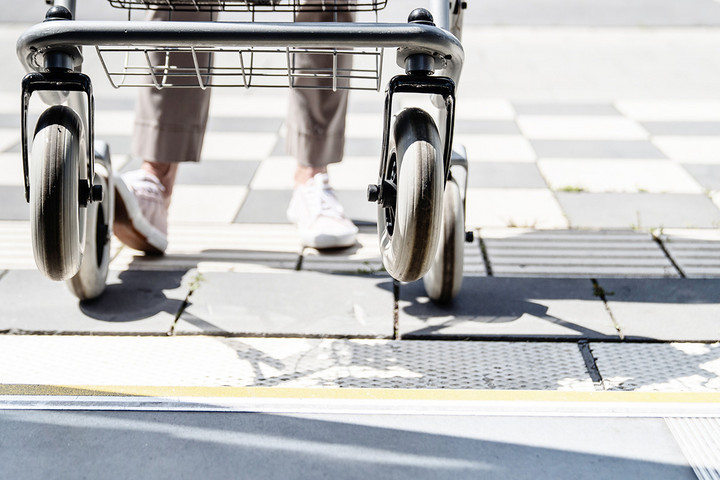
244,124
354,147
638,210
682,128
14,206
596,149
209,172
135,301
265,206
491,307
532,108
217,173
707,175
295,303
357,208
487,127
665,309
501,175
574,253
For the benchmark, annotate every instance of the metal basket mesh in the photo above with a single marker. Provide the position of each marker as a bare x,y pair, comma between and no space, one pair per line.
194,67
253,5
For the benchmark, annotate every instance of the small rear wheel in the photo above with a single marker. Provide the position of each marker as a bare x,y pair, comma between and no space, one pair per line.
443,280
409,226
55,213
90,280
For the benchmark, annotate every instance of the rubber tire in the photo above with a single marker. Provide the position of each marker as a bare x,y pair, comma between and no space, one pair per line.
55,214
90,281
409,247
443,280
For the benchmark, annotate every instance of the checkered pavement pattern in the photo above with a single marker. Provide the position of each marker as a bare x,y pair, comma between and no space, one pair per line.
628,165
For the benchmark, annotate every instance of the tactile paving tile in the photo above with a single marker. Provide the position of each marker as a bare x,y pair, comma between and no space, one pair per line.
667,367
15,246
574,253
697,252
267,362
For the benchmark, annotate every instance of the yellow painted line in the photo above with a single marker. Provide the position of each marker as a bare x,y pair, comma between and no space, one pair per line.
360,394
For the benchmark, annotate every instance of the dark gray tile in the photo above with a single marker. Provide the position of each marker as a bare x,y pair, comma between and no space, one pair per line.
14,206
217,173
12,120
519,307
265,206
595,149
135,301
244,124
523,108
682,128
120,144
638,210
707,175
487,127
665,309
296,303
500,175
356,147
357,208
269,206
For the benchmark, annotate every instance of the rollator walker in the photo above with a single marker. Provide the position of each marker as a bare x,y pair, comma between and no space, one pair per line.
422,183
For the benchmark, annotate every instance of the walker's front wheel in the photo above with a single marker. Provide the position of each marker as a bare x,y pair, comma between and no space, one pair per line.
409,223
443,280
90,280
55,212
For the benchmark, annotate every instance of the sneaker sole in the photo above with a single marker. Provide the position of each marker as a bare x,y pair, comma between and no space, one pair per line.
131,228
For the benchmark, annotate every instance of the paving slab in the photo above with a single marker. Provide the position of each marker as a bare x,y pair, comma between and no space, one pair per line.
574,253
667,367
521,307
513,207
665,309
294,303
501,174
14,206
696,252
707,175
596,149
638,210
562,108
134,302
682,128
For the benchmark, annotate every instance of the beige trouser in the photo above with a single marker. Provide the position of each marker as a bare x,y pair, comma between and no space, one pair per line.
170,123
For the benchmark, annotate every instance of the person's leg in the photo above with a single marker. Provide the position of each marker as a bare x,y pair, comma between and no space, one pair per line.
169,129
316,138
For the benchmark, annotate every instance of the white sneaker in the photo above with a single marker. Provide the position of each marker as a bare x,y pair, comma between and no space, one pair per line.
319,216
141,212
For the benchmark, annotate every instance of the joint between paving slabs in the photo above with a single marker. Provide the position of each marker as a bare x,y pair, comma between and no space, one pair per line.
3,273
657,237
485,255
591,365
600,292
194,285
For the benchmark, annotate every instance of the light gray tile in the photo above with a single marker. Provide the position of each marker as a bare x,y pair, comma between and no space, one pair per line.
244,124
596,149
490,307
14,206
682,128
665,309
487,127
707,175
499,175
565,109
294,303
638,210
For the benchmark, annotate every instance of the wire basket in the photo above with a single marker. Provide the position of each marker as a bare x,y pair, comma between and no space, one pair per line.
253,5
194,67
